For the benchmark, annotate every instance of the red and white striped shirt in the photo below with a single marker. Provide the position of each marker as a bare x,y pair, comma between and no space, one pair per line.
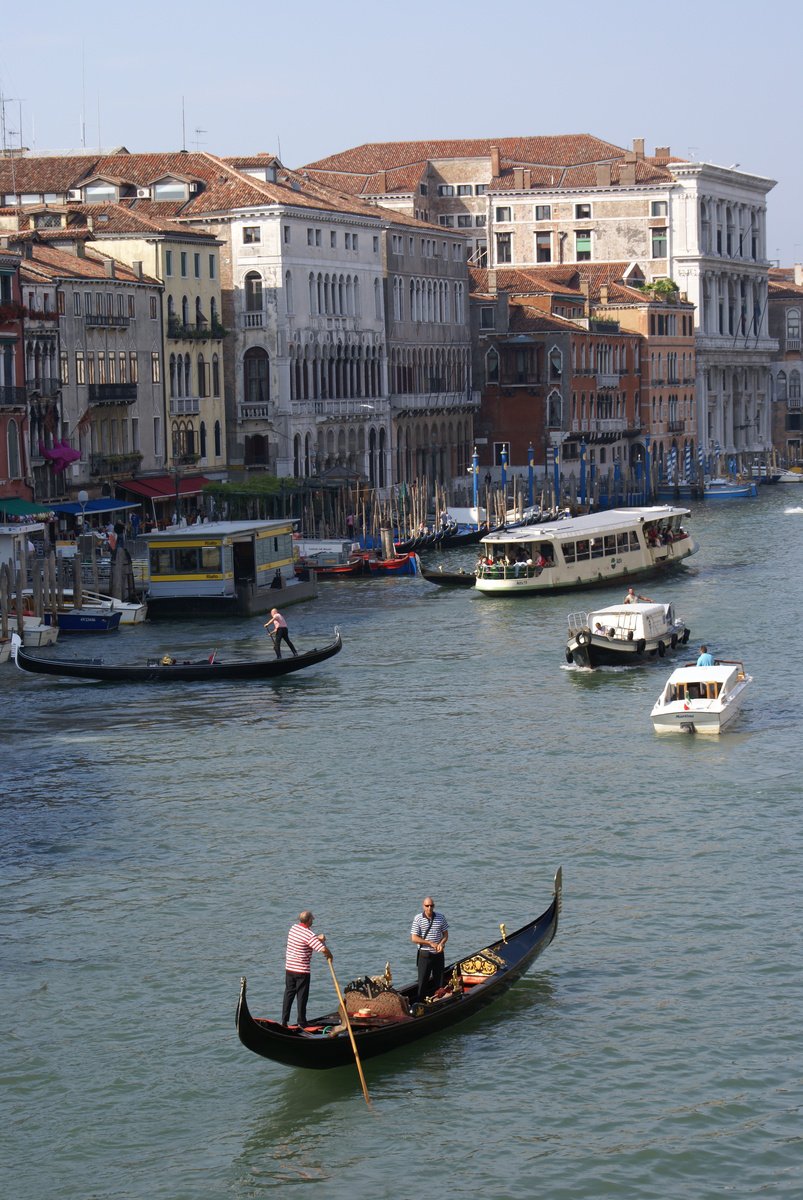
301,942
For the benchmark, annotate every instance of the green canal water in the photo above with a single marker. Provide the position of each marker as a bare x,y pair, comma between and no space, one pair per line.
156,843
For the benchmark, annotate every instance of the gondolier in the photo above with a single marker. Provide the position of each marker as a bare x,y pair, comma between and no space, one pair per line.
278,632
430,932
301,942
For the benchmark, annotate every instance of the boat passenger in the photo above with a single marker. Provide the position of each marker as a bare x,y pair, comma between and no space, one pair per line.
633,597
706,659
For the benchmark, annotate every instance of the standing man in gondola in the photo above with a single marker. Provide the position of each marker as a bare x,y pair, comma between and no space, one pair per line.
278,632
301,942
430,933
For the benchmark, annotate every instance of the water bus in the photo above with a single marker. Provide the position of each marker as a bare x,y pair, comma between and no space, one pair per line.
595,550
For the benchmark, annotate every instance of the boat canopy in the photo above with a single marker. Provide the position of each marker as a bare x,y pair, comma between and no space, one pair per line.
588,526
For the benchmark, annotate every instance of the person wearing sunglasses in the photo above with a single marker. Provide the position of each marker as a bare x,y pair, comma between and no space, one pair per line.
430,933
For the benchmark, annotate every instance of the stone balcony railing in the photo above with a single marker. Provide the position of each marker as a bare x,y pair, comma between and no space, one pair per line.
252,320
600,425
185,406
424,401
354,409
107,320
253,412
609,379
43,387
114,464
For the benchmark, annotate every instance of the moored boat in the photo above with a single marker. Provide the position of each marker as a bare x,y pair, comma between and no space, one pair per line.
444,578
400,564
169,669
474,982
701,699
582,552
91,619
624,634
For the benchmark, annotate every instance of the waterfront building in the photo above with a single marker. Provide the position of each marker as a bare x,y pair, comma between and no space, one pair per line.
576,199
110,400
785,310
14,462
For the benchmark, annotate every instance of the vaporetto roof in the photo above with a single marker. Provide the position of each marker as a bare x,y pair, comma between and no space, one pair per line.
588,526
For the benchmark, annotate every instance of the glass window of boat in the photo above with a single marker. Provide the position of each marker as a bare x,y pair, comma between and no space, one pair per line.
610,544
622,543
597,547
582,550
633,540
568,551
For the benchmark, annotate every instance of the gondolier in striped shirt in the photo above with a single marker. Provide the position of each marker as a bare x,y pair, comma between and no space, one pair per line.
301,942
430,932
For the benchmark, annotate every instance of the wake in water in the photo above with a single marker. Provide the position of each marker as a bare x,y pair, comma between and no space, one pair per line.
793,510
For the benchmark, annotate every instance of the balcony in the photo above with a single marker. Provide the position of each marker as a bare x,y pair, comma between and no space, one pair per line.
418,402
675,426
107,320
114,464
609,379
657,381
195,333
12,396
254,412
252,320
112,393
185,406
368,409
791,343
43,387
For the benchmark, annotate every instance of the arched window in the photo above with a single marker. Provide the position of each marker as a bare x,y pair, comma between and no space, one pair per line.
187,375
173,375
377,300
793,323
202,440
213,311
794,385
313,296
253,292
215,375
492,366
171,311
256,369
554,410
200,319
218,440
288,291
185,311
202,388
13,446
782,385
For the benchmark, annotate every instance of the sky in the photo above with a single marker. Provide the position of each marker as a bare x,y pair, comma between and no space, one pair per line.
714,81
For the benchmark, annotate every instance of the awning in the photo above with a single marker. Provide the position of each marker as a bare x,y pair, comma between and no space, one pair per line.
163,487
104,504
14,507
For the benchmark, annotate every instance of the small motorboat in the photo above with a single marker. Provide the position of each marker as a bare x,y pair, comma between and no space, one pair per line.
89,619
701,699
35,633
624,634
461,578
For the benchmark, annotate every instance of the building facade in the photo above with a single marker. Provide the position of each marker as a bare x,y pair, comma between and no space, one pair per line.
785,312
15,480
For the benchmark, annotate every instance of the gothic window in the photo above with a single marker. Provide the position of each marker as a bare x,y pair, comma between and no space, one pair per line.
256,365
253,292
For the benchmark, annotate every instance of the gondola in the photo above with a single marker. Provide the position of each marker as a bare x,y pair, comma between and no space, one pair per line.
449,578
169,669
324,1042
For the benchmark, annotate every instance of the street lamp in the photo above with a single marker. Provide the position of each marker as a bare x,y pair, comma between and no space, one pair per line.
83,500
530,475
475,470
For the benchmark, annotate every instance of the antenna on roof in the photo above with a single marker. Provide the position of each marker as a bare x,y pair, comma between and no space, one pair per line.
198,133
279,144
183,131
83,96
100,140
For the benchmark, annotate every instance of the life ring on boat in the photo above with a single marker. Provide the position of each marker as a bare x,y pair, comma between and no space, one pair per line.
661,649
569,656
583,637
673,641
641,646
685,637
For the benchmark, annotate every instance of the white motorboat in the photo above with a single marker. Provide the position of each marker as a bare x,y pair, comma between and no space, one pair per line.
701,699
35,633
624,634
580,552
132,612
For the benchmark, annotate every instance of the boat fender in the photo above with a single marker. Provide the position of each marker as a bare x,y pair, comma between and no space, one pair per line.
661,649
641,646
685,637
569,656
583,637
674,640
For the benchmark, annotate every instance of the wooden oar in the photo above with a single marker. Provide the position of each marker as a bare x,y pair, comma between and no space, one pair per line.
351,1033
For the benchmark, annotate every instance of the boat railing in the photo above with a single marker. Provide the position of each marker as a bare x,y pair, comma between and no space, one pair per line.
578,621
510,571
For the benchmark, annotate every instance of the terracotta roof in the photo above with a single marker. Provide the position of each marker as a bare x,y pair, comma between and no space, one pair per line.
526,319
55,263
560,150
785,289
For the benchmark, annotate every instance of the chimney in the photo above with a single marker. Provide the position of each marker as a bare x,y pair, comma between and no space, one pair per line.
585,288
627,172
799,274
662,152
382,181
136,267
492,282
90,223
110,268
27,250
80,248
603,293
638,147
494,161
518,178
603,171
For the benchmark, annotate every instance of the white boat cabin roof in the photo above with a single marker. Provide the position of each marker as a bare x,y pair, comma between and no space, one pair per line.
716,674
637,608
588,526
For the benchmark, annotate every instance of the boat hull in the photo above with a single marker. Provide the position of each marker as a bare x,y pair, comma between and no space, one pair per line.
87,620
169,670
678,711
462,579
319,1051
601,652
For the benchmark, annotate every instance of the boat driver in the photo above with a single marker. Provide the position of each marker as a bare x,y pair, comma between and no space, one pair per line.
430,933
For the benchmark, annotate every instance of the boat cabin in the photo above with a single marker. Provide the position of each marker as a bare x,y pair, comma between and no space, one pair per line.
693,683
238,566
626,622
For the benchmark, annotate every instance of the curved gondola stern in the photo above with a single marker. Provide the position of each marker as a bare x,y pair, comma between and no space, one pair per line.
558,893
16,649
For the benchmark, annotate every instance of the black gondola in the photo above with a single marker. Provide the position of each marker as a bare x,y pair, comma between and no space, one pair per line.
462,537
169,669
324,1042
449,578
